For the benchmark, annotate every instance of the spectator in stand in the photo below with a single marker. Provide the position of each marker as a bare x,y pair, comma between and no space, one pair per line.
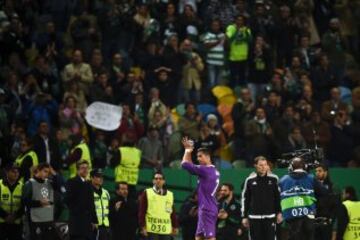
306,52
17,135
5,115
273,107
78,71
323,79
334,46
155,103
46,148
102,90
42,109
316,131
262,22
130,124
70,119
307,93
139,108
156,208
295,141
96,63
189,124
189,20
79,95
259,70
283,126
191,71
166,84
188,217
258,136
214,126
286,34
48,80
12,89
238,39
170,22
152,149
49,39
84,34
341,143
222,10
331,107
214,42
123,214
118,69
99,150
173,59
207,140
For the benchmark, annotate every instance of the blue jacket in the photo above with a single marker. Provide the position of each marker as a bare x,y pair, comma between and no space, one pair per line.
298,195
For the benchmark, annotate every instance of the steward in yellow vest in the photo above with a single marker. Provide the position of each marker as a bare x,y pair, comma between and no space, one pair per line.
80,152
27,160
101,200
349,216
157,215
11,208
126,161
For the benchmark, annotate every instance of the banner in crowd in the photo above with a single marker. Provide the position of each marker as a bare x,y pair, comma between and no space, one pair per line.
103,116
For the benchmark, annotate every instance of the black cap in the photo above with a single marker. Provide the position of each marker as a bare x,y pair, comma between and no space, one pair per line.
11,166
96,172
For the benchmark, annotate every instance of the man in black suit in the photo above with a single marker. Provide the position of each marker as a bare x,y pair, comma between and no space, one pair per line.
123,214
80,200
46,147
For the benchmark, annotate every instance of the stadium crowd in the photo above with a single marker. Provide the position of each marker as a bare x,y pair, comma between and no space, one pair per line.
241,78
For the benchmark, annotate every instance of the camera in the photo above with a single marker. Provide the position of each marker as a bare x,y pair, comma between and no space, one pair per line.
311,157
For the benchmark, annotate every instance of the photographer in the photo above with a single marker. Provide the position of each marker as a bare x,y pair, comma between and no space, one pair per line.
298,202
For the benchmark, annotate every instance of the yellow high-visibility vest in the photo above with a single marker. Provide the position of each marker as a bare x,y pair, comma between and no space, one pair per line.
102,207
19,161
10,202
85,155
128,169
158,214
352,231
35,161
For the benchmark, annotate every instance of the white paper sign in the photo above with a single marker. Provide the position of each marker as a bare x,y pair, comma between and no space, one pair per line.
103,116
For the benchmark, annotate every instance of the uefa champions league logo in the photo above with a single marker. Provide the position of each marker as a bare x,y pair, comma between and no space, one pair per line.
44,193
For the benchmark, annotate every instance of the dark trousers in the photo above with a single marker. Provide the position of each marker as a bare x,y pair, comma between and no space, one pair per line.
79,238
238,73
43,231
262,229
153,236
323,232
11,231
301,228
102,233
